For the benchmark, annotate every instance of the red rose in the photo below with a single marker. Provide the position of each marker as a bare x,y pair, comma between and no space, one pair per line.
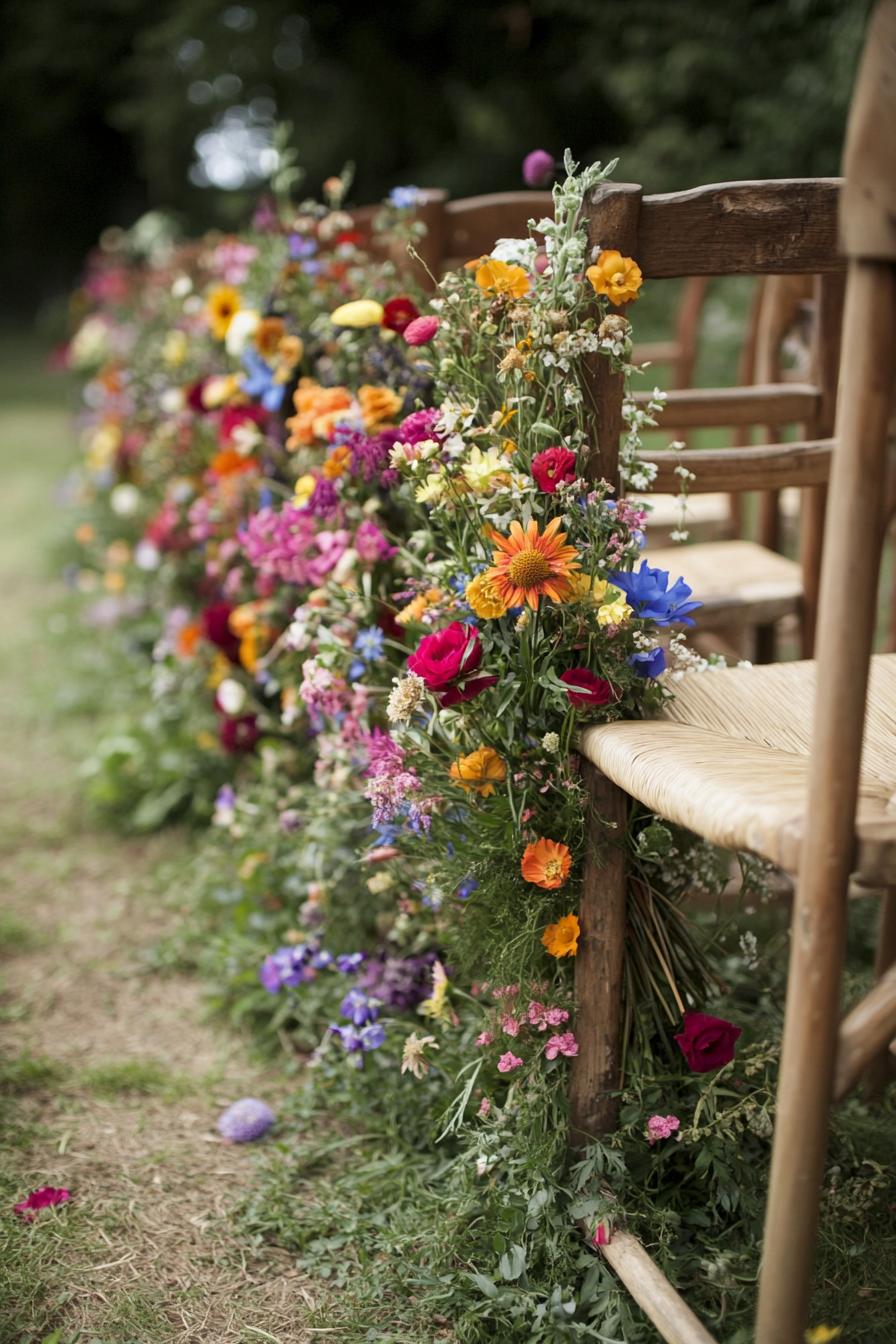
238,734
590,691
553,466
399,313
707,1042
216,629
449,656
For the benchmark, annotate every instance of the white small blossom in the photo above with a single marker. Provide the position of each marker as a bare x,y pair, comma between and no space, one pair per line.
406,696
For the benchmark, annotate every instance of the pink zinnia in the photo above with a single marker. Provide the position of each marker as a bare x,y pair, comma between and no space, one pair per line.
509,1062
661,1127
44,1198
421,330
484,1038
562,1045
510,1025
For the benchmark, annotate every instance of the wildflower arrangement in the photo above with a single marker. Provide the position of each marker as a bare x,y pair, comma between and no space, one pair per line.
377,579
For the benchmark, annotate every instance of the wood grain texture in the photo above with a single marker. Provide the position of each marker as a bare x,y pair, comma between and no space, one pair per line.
865,1032
653,1292
741,228
716,407
761,467
473,224
868,207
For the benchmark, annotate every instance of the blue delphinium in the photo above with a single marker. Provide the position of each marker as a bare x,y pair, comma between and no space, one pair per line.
649,662
259,381
650,597
404,198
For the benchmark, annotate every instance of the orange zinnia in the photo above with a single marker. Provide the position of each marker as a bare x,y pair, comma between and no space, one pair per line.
479,772
530,564
562,939
546,863
616,276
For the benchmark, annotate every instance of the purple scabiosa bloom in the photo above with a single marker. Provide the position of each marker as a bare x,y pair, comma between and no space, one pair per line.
245,1120
538,168
649,595
349,962
358,1008
399,982
649,662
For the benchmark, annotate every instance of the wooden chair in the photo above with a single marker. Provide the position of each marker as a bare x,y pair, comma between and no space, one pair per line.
771,759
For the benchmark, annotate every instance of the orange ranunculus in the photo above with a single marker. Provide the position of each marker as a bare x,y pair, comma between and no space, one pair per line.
228,462
546,863
378,404
562,939
497,277
223,304
337,462
268,335
530,564
479,772
616,276
316,410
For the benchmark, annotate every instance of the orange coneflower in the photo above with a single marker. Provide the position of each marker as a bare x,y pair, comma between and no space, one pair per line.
546,863
531,564
223,304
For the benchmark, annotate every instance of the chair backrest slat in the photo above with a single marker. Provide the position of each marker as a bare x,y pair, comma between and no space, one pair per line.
767,466
720,407
779,227
474,223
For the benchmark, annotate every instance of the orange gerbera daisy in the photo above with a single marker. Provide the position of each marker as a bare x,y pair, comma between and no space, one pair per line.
479,772
562,939
616,276
546,863
532,564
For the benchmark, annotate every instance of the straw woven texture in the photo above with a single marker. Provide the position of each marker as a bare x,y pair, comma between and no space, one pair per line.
729,759
736,578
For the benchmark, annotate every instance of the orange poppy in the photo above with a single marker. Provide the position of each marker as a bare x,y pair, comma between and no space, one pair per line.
479,772
532,564
546,863
497,277
562,939
616,276
228,462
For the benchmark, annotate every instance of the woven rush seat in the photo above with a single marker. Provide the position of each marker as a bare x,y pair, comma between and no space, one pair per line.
729,759
738,581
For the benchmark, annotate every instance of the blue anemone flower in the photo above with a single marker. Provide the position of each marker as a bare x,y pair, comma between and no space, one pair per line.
650,597
649,662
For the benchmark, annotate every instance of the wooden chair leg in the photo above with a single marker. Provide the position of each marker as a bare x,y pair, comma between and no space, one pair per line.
848,591
881,1070
595,1073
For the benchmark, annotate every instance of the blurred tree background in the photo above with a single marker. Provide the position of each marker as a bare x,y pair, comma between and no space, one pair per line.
112,107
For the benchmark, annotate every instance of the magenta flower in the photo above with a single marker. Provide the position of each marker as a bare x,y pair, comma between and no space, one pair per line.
44,1198
508,1062
510,1025
538,168
562,1045
422,330
661,1127
541,1017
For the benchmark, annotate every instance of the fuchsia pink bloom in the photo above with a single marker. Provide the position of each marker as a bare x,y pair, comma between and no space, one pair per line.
510,1025
538,168
541,1017
508,1062
661,1127
44,1198
566,1045
422,330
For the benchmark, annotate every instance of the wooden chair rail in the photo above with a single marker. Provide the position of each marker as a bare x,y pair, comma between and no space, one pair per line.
758,404
864,1033
778,227
767,466
474,223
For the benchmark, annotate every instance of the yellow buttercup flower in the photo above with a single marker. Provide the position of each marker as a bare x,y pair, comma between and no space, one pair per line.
616,276
222,306
358,314
497,277
823,1334
479,772
616,612
304,489
484,599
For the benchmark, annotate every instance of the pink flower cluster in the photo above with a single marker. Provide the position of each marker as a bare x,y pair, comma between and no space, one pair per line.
392,789
538,1017
321,690
661,1127
287,545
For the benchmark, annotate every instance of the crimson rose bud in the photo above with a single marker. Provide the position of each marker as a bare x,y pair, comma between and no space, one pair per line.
707,1042
588,691
399,312
552,466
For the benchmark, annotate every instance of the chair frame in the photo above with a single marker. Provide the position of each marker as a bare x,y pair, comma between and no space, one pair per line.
776,228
